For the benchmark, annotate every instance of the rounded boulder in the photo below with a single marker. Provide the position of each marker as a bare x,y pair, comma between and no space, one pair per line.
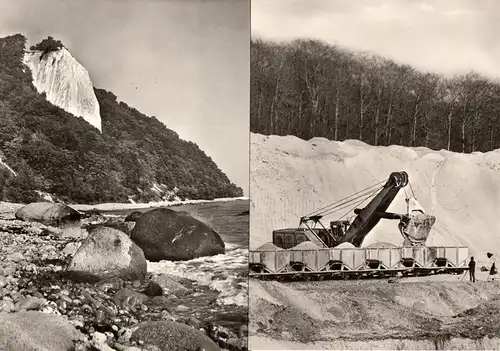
107,253
125,227
48,213
165,234
32,331
134,216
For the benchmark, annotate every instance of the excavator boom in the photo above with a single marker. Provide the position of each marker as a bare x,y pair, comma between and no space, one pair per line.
313,251
368,217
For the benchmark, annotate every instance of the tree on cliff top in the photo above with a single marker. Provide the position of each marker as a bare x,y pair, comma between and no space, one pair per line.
47,45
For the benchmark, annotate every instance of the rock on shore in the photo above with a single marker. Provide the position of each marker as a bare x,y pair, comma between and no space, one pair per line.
48,213
108,253
165,234
113,313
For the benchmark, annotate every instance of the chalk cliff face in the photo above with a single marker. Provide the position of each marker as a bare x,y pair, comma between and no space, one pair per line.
66,83
291,177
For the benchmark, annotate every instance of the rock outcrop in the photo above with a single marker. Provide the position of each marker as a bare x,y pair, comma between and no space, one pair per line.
107,253
164,234
65,82
48,213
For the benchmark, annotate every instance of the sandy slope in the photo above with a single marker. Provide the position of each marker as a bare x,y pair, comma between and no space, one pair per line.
371,314
486,343
291,177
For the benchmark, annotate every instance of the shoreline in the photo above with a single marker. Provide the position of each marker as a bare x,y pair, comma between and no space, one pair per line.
115,206
132,206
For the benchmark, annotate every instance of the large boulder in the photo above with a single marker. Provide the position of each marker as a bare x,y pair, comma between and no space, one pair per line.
48,213
164,234
173,336
134,216
125,227
35,331
165,285
107,253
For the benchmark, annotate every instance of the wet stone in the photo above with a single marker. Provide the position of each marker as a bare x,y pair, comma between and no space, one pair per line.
154,289
36,274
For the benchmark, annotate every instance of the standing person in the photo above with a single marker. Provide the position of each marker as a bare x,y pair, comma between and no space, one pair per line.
472,270
493,269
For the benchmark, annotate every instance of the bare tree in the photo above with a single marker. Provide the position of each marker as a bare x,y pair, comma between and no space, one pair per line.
308,88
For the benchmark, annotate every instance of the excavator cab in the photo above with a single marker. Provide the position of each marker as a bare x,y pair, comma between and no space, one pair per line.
339,228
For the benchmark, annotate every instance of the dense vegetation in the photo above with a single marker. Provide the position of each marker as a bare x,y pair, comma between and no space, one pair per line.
308,88
47,45
55,152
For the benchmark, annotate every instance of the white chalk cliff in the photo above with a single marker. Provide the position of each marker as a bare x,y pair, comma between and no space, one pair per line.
66,83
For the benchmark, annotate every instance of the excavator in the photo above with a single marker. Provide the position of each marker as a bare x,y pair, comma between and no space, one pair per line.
313,250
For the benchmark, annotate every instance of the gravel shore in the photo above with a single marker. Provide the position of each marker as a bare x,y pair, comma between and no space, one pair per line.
109,315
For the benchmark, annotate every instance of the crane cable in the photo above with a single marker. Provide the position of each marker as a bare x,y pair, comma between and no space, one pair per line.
325,208
346,204
411,188
364,196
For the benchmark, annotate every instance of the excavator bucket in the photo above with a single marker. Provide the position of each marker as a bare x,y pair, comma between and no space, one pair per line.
416,225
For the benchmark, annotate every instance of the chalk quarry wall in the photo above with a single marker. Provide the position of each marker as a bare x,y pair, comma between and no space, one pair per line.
291,177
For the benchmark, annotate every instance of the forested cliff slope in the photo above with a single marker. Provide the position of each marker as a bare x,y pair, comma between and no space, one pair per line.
51,150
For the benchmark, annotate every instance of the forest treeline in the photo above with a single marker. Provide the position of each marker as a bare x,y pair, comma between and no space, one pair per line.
55,152
308,88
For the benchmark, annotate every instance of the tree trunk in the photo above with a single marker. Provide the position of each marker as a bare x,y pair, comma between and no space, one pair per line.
492,131
449,130
388,124
337,102
463,135
473,141
361,108
414,131
361,117
475,128
347,129
273,107
259,111
299,121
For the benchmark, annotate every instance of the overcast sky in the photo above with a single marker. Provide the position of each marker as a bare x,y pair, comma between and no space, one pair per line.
442,36
185,62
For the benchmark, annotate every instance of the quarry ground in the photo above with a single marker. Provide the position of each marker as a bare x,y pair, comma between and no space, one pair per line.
291,177
375,314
